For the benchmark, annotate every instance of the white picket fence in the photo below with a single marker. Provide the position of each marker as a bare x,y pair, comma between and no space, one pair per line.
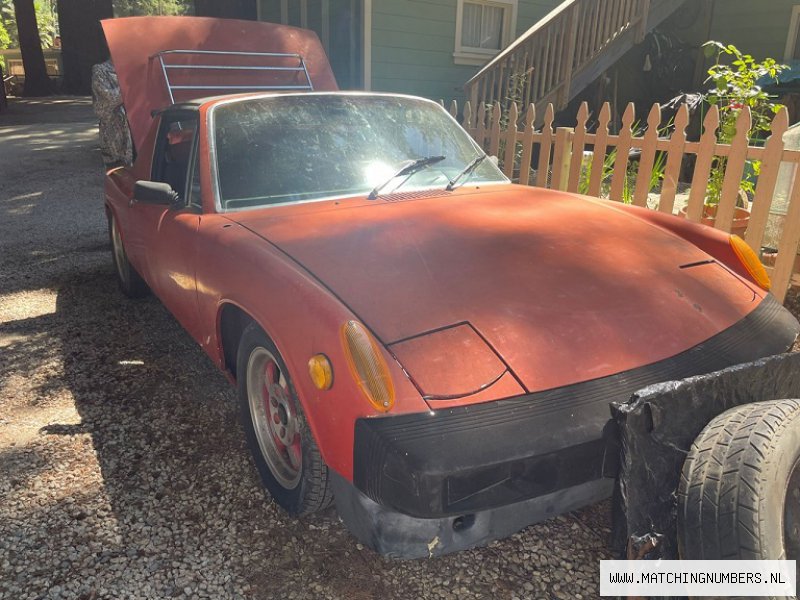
568,156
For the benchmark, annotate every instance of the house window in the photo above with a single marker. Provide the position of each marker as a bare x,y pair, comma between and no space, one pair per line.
793,40
483,28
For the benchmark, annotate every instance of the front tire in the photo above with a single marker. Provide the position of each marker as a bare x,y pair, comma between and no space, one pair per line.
283,448
739,494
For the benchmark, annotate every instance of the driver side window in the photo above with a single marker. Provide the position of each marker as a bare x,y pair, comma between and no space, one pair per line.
176,138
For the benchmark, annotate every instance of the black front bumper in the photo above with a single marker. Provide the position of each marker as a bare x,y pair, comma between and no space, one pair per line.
468,459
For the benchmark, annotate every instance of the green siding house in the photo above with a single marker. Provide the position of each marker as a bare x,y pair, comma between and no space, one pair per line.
423,47
432,48
767,28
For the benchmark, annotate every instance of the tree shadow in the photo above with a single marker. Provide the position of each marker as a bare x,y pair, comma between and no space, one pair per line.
185,507
164,427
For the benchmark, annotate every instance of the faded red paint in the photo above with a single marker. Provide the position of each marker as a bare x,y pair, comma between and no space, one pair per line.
134,41
557,288
452,362
562,287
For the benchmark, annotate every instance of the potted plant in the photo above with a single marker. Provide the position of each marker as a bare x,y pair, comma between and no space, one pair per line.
734,77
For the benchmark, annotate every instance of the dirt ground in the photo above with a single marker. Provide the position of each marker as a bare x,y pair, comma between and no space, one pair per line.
123,472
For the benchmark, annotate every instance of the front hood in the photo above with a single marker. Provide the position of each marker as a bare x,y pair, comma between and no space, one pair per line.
134,42
559,287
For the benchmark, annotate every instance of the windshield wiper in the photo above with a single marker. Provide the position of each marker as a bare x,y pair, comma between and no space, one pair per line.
468,170
407,169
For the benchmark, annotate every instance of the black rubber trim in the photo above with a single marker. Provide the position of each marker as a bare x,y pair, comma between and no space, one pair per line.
481,456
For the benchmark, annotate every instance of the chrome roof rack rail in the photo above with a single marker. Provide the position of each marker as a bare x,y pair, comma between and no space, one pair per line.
166,67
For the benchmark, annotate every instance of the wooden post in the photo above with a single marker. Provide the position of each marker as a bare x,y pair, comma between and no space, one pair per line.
702,168
672,169
544,72
619,178
599,155
572,42
480,125
647,159
528,77
641,30
527,146
734,169
770,164
590,33
578,143
562,155
494,136
544,149
511,142
472,93
502,84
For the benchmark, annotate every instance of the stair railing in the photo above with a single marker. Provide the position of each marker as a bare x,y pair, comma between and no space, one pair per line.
538,67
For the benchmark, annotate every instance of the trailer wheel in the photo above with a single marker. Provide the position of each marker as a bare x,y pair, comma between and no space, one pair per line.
739,494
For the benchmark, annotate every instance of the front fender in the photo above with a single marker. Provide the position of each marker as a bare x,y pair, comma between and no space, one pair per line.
714,242
302,317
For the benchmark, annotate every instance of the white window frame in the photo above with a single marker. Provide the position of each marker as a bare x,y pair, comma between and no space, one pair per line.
466,55
791,39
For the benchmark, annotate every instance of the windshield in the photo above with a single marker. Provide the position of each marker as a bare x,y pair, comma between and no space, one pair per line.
298,148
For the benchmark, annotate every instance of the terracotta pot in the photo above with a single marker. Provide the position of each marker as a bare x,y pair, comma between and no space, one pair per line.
769,258
741,218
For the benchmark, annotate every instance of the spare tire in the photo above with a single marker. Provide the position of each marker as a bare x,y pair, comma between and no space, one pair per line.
739,494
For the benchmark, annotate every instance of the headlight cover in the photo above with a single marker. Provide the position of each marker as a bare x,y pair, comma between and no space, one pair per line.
367,366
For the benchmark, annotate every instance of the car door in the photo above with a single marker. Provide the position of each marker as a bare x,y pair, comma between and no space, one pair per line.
169,232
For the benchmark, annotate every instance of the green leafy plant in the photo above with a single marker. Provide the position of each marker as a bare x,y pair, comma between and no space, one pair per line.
734,77
129,8
5,42
46,21
631,171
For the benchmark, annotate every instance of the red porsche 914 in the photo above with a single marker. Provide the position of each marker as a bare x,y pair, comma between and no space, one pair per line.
411,335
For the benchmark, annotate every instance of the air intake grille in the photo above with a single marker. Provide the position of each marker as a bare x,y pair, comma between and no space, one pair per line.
401,196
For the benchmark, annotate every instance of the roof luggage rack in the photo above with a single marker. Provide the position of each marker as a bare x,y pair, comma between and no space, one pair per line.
247,71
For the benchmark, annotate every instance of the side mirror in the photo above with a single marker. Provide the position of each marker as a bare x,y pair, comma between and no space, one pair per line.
155,192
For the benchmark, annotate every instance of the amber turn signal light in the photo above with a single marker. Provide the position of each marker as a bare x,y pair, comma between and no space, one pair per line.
750,261
320,371
367,366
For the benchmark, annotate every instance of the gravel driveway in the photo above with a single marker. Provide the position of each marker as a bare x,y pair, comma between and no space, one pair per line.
123,473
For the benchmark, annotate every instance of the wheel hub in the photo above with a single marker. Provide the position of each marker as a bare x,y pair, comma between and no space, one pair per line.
281,414
274,417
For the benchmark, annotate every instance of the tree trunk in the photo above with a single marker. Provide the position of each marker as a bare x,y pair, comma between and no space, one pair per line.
82,41
3,100
37,83
231,9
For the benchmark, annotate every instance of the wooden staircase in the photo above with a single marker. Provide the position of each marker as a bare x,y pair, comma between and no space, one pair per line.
564,52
